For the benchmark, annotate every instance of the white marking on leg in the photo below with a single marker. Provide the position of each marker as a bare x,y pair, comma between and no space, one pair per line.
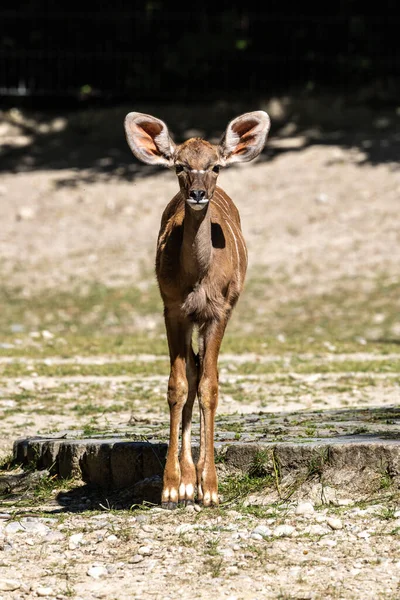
207,498
173,495
189,490
214,497
182,490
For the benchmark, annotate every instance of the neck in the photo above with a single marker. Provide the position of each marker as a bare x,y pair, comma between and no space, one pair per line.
197,245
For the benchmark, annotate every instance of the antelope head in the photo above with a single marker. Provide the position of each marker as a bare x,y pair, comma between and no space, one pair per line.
196,161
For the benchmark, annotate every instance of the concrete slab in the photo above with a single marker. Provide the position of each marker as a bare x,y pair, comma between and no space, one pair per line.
348,447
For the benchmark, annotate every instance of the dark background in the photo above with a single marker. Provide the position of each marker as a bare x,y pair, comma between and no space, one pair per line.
110,52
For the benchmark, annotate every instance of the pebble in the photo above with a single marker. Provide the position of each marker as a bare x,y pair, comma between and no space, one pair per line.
256,536
327,542
190,508
54,536
316,530
75,540
45,591
147,528
284,531
13,527
363,535
184,528
137,558
9,585
96,572
36,527
304,508
111,538
197,508
141,518
335,523
261,530
145,550
27,385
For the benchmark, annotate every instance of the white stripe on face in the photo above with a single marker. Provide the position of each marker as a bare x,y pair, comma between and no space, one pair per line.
196,170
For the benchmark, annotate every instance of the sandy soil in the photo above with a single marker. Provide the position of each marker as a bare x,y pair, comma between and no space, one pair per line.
319,208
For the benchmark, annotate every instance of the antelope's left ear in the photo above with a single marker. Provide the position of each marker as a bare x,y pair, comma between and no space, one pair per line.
245,137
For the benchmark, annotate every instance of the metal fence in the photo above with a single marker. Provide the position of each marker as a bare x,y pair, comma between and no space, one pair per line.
149,50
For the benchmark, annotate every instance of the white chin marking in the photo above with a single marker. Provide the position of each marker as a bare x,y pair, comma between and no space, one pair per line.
197,205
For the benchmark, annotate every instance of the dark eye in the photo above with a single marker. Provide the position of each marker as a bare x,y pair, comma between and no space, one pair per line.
216,168
178,169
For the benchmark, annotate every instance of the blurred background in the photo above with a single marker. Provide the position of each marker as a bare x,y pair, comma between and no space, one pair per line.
151,50
80,216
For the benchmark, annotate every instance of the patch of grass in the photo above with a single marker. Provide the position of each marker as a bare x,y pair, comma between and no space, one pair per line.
110,369
386,481
91,318
212,547
214,566
261,465
235,487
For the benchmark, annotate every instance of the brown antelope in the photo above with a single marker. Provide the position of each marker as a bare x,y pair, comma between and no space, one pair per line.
200,265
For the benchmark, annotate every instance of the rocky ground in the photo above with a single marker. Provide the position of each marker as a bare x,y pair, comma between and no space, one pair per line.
82,346
285,551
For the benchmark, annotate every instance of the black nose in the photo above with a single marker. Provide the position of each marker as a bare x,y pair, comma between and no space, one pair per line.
197,195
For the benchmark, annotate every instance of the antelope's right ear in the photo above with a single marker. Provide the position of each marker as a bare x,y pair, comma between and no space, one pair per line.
149,139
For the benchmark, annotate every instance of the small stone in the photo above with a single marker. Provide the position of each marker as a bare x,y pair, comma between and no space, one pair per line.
141,518
26,213
96,572
47,335
396,514
145,550
316,530
13,527
304,508
54,536
111,538
75,540
9,585
364,535
36,527
263,531
184,528
327,542
197,508
256,536
45,591
284,531
147,528
190,508
322,198
335,523
28,385
137,558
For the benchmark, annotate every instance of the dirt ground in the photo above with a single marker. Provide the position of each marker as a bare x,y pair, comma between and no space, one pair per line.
320,213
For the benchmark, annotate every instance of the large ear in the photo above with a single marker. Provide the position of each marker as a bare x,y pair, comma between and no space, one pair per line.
149,139
245,137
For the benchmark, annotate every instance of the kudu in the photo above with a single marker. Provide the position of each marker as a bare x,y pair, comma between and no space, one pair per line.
200,266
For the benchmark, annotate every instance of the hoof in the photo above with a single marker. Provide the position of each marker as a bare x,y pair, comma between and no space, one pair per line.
169,505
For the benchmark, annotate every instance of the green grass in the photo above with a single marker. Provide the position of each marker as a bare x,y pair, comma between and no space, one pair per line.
93,319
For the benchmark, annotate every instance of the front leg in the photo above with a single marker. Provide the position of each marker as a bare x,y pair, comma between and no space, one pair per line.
207,480
175,473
